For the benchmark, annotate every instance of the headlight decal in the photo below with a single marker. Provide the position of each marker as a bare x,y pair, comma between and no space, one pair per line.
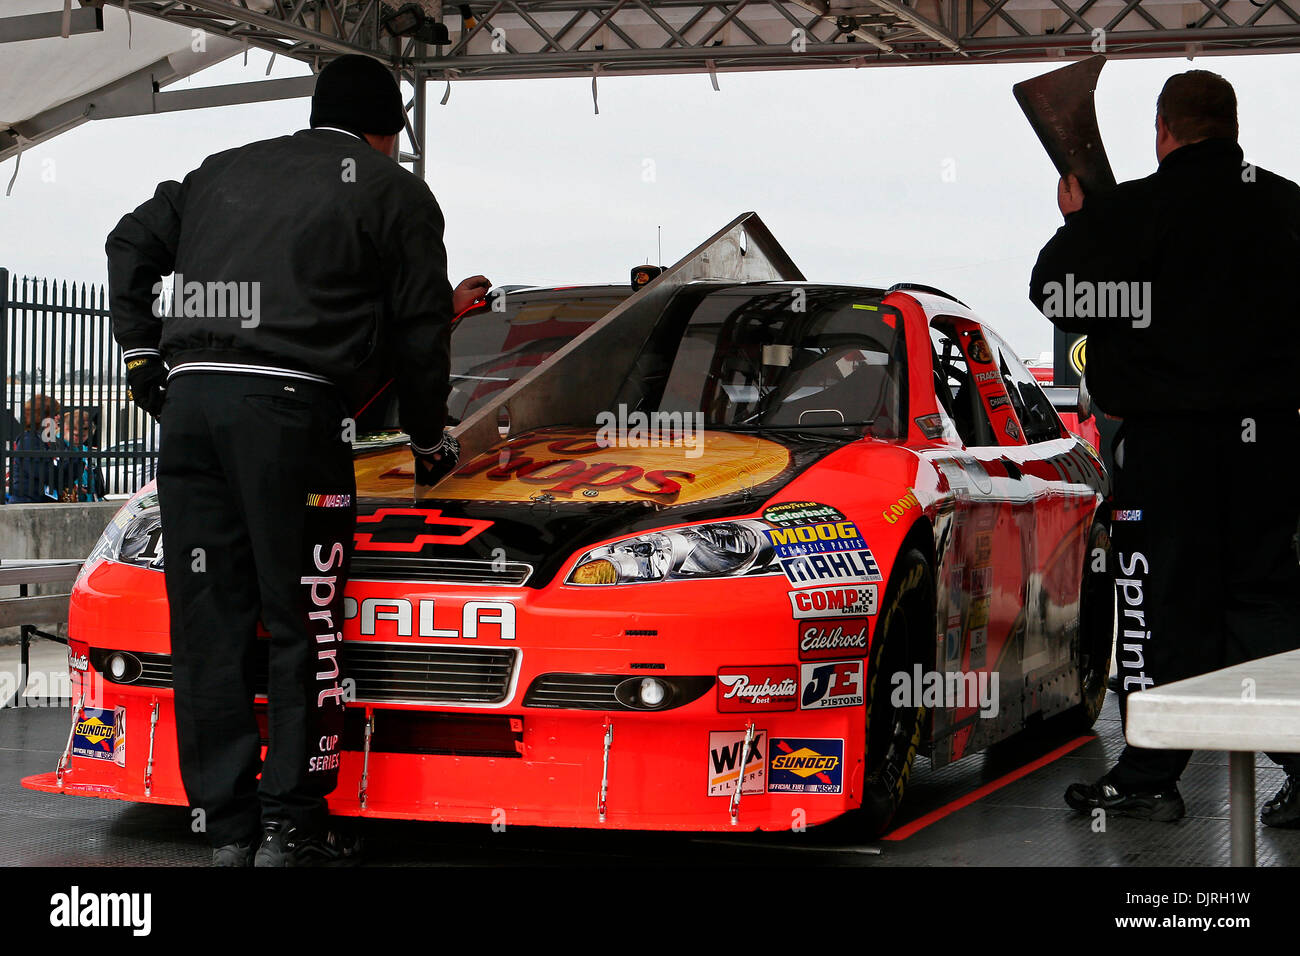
712,550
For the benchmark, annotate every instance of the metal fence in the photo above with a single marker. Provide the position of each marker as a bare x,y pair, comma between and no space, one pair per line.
57,343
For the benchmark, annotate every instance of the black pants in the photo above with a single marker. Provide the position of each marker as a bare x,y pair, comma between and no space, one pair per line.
1206,510
257,494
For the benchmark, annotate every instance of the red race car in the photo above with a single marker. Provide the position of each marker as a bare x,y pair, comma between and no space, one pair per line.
821,530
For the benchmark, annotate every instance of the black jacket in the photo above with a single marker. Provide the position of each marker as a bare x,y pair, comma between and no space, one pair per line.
1218,241
337,253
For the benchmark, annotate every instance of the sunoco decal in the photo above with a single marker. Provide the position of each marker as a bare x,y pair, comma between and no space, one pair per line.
724,762
806,765
743,689
92,736
820,640
834,602
832,684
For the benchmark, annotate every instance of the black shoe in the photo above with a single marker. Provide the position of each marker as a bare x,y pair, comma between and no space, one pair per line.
284,845
1162,806
1284,809
1112,683
233,854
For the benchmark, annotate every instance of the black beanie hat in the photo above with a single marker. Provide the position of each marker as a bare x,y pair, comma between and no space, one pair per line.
358,94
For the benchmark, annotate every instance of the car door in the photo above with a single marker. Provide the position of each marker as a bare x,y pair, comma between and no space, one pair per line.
983,581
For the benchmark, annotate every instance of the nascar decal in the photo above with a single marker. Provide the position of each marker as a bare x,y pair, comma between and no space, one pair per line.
819,640
816,539
571,465
831,684
979,350
92,734
725,762
806,765
857,601
756,688
789,513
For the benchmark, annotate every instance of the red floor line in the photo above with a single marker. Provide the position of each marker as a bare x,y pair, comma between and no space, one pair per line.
920,823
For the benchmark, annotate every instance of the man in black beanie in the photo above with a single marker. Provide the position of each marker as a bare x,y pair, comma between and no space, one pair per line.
307,268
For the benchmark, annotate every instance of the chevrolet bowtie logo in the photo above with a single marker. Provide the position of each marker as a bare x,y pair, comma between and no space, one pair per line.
400,523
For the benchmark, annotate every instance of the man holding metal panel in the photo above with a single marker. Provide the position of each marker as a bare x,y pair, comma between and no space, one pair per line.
1184,284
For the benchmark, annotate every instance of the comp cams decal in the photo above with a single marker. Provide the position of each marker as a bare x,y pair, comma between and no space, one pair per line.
858,601
725,762
806,765
831,684
743,689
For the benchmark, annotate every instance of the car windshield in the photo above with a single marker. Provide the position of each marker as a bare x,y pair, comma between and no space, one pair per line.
492,350
798,358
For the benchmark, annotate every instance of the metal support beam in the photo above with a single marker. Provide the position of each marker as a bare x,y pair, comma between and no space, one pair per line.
39,26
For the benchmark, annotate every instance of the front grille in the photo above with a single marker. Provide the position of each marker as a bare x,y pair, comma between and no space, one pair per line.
415,673
580,691
440,570
385,673
600,691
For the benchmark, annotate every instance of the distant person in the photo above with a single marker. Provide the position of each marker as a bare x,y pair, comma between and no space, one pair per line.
1185,283
34,479
80,476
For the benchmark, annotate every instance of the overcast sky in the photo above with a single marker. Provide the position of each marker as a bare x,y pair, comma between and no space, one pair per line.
929,174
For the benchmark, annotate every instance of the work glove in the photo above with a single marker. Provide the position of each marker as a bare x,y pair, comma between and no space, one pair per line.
148,381
434,464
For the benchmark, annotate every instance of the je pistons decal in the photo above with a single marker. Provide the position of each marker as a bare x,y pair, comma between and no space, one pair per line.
833,684
93,734
856,601
806,765
756,688
725,762
819,640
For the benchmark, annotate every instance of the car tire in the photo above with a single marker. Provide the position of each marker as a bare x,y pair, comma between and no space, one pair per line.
1096,629
893,734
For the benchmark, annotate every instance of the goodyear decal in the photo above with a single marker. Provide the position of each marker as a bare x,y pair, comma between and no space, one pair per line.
901,507
816,539
806,765
93,734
